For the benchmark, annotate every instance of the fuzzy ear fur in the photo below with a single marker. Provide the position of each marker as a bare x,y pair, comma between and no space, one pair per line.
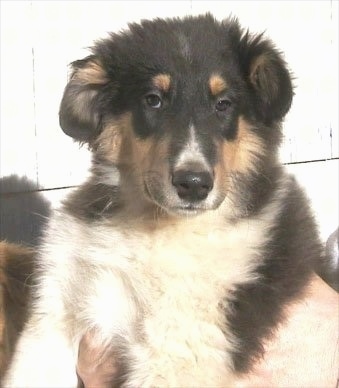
268,77
81,106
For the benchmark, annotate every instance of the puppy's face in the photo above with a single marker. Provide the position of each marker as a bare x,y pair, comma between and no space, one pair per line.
179,109
183,139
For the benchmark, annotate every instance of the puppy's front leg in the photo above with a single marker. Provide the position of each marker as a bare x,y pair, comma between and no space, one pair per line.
43,358
98,365
111,349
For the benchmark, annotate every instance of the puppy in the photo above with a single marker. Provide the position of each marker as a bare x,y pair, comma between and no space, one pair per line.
182,249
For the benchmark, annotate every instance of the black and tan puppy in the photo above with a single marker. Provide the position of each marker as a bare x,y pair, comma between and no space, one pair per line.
182,249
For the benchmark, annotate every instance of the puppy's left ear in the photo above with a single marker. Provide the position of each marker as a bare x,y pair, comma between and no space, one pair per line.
268,77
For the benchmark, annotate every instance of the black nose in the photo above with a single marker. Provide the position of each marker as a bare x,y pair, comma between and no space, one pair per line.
192,186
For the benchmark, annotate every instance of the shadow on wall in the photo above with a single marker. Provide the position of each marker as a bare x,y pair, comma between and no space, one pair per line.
23,211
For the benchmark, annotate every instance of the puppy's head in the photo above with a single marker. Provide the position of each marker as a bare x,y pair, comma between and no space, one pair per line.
179,109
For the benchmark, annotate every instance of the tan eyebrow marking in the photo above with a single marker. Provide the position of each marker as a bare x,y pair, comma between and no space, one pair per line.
162,81
217,84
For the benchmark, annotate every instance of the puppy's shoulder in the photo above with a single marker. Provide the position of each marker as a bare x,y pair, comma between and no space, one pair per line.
92,201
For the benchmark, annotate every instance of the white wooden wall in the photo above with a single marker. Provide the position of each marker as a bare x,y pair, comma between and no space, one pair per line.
40,38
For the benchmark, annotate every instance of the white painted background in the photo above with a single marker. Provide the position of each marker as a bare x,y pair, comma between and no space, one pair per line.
40,38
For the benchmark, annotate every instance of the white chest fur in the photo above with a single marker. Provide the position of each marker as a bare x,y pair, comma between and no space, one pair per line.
159,288
155,288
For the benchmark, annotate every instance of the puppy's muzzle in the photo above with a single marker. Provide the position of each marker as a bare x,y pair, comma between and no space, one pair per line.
192,186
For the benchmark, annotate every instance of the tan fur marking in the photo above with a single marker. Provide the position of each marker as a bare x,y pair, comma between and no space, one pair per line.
241,155
263,77
10,252
147,162
140,154
13,296
217,84
257,62
222,177
109,143
80,104
93,73
162,81
136,158
150,156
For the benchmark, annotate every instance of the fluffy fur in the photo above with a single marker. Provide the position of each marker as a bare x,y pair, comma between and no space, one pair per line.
182,249
16,280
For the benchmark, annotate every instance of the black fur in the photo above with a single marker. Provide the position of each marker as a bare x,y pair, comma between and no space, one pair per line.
288,262
92,202
23,211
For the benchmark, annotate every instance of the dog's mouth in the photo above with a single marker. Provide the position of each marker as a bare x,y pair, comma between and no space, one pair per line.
172,204
187,210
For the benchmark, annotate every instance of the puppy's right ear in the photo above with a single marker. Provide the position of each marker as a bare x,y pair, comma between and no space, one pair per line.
79,114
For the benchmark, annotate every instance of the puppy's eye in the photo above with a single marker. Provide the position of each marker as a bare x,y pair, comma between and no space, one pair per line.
222,105
154,101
